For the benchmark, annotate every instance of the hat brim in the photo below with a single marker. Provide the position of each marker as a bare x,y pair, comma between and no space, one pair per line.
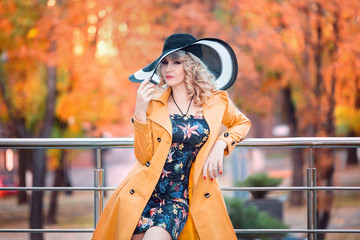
216,54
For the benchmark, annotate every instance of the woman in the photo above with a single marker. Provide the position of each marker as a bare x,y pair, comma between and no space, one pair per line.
172,191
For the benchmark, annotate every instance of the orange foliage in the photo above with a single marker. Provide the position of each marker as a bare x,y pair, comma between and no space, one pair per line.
285,48
99,44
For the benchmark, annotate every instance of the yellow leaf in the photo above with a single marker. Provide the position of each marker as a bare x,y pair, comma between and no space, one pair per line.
32,33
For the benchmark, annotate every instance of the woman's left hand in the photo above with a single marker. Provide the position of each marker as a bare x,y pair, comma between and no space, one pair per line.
214,162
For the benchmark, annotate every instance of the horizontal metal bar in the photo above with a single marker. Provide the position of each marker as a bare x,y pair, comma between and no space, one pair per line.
286,188
297,231
313,142
301,142
57,188
128,142
65,142
223,188
47,230
236,230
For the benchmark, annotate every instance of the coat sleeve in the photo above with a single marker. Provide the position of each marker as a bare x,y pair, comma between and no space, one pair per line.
237,123
143,141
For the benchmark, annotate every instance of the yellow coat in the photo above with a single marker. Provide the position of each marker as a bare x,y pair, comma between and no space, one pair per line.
208,218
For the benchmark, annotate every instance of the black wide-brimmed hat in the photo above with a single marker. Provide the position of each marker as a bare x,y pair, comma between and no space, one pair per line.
216,54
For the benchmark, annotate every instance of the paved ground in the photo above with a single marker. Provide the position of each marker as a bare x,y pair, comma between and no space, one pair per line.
76,211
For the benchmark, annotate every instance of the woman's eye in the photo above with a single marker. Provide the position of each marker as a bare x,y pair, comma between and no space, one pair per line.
177,62
164,62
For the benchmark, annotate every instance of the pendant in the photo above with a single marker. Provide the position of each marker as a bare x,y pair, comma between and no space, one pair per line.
185,118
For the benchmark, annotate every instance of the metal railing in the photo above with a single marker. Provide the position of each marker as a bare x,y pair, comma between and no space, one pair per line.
98,189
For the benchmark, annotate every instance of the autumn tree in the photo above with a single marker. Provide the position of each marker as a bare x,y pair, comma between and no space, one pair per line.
295,48
17,99
38,78
69,61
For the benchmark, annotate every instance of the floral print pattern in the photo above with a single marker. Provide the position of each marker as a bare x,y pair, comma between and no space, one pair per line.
168,206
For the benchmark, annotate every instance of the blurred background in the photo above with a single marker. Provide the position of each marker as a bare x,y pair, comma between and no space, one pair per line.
64,67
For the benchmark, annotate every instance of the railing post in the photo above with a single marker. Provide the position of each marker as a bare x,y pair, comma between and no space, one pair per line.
98,182
311,198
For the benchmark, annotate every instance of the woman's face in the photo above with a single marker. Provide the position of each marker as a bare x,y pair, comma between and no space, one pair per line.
172,71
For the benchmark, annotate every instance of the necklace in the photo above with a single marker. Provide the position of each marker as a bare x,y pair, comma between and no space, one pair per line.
184,116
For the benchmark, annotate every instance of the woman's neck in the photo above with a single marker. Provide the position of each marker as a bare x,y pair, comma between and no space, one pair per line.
180,94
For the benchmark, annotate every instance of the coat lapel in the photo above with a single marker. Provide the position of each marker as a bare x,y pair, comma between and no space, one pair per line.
213,116
160,115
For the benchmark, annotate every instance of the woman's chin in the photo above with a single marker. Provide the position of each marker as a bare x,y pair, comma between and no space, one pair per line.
170,83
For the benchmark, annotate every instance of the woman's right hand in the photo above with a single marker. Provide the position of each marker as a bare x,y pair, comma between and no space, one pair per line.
145,93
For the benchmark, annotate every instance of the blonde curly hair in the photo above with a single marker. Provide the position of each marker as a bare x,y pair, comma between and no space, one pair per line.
198,80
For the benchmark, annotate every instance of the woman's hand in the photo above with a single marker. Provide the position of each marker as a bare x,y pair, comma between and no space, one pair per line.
214,162
145,93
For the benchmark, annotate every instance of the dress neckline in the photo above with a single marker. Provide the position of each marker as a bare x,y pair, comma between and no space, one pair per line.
190,115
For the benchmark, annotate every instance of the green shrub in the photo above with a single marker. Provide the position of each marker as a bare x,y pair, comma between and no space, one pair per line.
259,180
249,217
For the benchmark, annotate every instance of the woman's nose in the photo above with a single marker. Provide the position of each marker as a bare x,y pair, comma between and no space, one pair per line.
169,67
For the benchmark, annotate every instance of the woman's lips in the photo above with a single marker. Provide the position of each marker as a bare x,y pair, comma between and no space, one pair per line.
169,77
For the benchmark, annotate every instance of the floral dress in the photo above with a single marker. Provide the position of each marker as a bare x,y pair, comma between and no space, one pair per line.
168,206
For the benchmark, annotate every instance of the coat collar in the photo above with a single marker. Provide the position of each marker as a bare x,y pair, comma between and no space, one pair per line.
160,113
164,96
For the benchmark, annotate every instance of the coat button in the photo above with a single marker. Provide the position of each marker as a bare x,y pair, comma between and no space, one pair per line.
207,195
226,134
147,164
132,120
132,191
233,143
158,139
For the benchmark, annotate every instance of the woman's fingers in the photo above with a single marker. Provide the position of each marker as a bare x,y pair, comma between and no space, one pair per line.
148,95
212,168
215,170
210,171
148,86
143,83
214,162
146,89
220,167
144,95
205,171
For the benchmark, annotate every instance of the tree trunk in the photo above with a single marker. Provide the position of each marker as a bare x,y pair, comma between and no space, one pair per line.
39,160
52,213
24,162
296,197
289,116
324,162
325,125
61,180
36,209
352,158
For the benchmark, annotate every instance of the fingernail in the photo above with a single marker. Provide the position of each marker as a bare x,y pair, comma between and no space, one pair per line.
212,179
220,172
204,178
